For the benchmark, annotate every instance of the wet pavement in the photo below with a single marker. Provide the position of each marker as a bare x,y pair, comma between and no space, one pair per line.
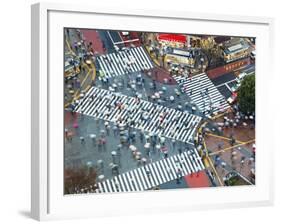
99,144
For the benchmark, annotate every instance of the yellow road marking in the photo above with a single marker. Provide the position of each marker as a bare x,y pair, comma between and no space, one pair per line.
204,144
206,162
217,116
69,47
82,83
226,149
94,71
153,57
215,171
222,137
86,77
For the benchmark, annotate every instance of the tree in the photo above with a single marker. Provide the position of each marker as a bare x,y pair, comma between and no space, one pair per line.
246,95
77,179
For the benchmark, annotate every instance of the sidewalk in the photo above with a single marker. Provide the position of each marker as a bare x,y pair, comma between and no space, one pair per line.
216,72
160,74
200,180
93,37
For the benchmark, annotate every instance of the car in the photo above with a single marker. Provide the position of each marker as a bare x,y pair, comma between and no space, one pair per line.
253,55
125,33
242,75
71,76
232,99
116,47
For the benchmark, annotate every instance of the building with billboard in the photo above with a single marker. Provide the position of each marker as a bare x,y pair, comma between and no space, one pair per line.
234,49
172,40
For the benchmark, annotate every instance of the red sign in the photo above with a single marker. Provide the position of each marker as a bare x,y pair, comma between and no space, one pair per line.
172,37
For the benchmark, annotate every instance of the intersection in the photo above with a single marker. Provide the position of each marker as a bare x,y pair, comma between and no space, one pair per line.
136,121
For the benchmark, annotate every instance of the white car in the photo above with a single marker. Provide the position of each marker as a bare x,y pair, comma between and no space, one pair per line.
253,55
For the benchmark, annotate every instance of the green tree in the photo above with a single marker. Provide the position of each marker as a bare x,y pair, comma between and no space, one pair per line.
246,95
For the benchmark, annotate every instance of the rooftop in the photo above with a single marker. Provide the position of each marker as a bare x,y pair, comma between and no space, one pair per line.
235,45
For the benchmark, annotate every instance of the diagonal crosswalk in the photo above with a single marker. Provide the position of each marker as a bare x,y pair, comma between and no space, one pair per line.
124,62
154,174
115,107
203,93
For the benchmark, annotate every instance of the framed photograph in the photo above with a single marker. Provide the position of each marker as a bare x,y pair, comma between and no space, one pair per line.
148,111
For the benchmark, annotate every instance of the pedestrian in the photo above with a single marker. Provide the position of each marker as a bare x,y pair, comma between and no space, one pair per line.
115,129
179,173
82,140
69,136
107,128
94,138
166,154
180,151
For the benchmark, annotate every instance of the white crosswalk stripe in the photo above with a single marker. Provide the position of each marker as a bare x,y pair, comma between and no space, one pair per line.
123,62
203,93
159,172
103,104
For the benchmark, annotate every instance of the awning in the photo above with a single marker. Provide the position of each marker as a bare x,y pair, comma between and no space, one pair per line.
172,37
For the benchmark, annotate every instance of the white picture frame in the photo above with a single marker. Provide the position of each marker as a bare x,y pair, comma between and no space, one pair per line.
48,201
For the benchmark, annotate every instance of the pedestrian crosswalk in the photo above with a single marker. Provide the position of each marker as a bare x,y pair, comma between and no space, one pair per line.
139,114
203,93
123,62
154,174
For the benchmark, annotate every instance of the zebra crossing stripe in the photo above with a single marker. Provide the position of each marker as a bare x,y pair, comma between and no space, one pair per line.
153,175
126,181
91,109
184,164
107,183
176,124
138,179
194,157
121,184
101,187
145,55
171,165
192,162
156,175
121,63
153,165
164,170
149,176
181,157
145,177
142,179
167,167
134,182
85,98
118,62
138,62
115,64
130,184
104,67
189,163
140,54
160,172
88,106
198,85
181,162
199,160
113,185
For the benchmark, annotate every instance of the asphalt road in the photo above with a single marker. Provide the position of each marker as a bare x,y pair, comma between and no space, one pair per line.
223,79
